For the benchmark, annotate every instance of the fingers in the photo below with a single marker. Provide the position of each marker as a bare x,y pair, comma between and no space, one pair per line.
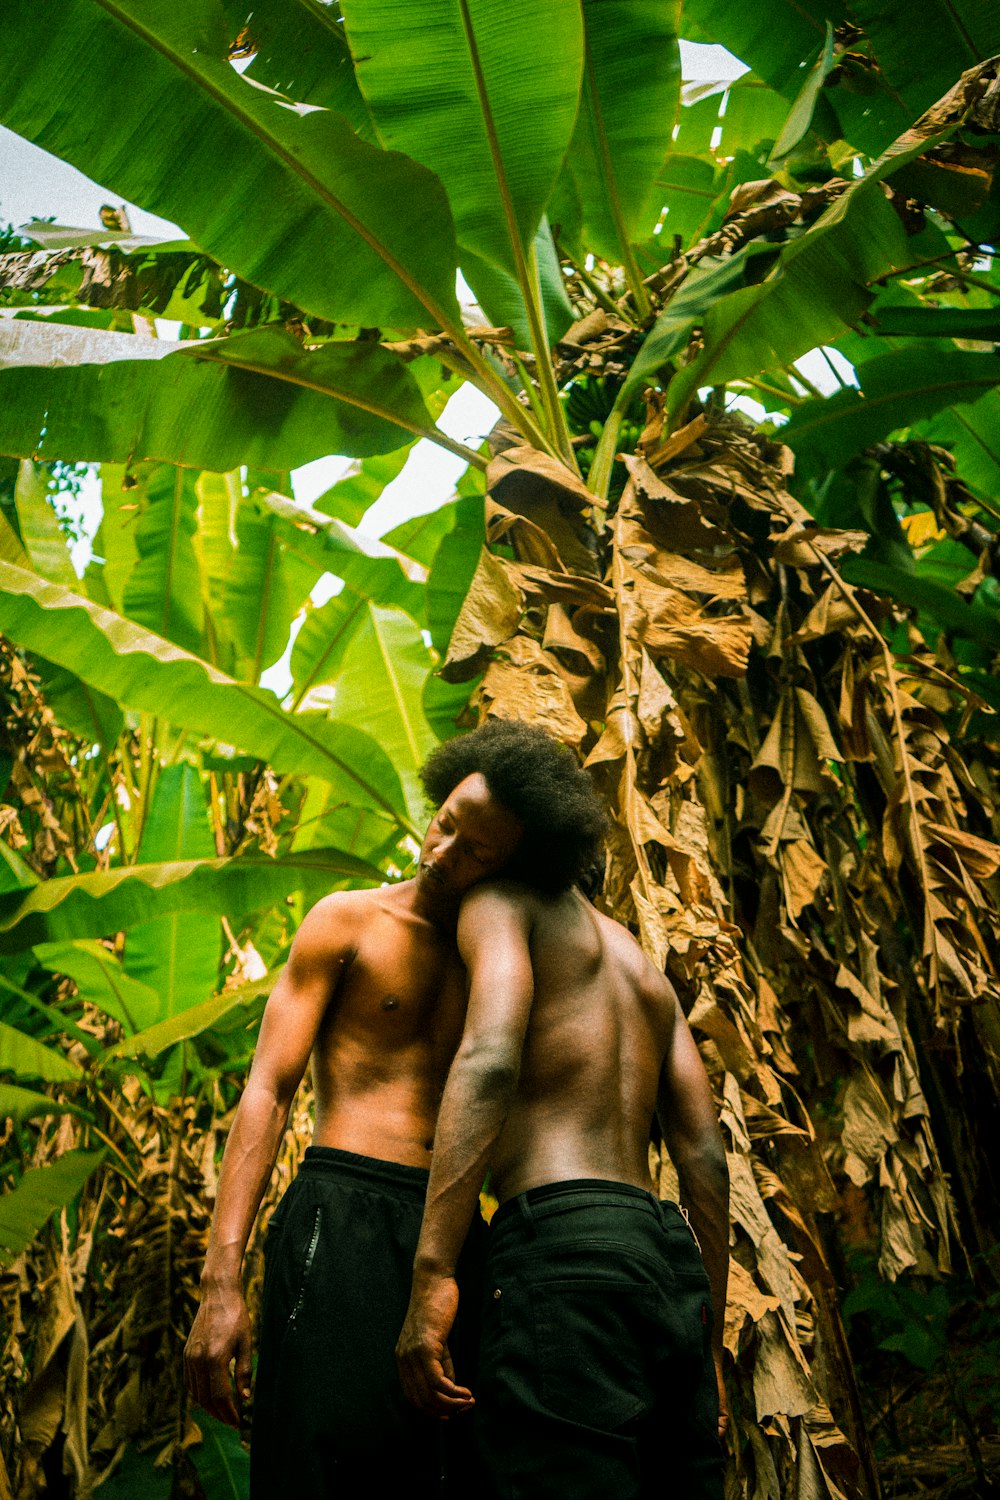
428,1388
244,1366
210,1386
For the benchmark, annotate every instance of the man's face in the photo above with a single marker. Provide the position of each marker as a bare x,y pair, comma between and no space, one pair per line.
471,837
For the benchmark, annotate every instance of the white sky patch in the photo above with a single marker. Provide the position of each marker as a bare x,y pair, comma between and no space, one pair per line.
36,185
701,61
815,366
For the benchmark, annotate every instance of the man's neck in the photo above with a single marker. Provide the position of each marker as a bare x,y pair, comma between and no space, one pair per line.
436,907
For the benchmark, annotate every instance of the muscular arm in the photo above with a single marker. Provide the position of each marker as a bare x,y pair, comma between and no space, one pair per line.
691,1134
221,1330
493,937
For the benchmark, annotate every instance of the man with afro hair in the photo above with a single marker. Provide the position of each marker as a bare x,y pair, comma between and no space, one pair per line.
599,1368
373,997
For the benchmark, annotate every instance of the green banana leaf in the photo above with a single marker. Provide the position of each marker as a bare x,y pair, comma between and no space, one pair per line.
942,605
897,389
277,192
258,398
176,955
488,103
19,1104
101,981
41,535
164,588
238,1007
628,108
25,1057
380,685
39,1193
299,47
95,905
266,586
145,672
923,48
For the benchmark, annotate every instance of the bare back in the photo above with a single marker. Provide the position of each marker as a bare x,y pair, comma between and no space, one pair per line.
601,1023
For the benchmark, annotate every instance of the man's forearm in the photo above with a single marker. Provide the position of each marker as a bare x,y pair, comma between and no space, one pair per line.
704,1191
477,1099
247,1163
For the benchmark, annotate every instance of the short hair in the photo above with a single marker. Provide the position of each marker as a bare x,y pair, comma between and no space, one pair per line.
541,782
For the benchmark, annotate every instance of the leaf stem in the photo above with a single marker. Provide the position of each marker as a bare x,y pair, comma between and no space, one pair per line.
599,478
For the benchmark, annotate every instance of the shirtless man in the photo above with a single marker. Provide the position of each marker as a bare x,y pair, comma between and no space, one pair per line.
375,992
600,1369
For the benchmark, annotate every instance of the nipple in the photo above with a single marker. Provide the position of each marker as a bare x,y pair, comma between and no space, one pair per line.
390,1003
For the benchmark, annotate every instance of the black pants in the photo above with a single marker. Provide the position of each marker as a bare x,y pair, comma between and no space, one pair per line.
329,1415
596,1376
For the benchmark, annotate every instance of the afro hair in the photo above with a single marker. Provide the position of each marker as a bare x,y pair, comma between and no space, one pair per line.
541,782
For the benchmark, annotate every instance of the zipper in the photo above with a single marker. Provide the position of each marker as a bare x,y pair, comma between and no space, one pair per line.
307,1266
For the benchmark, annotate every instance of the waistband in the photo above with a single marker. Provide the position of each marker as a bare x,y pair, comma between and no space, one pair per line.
347,1166
578,1192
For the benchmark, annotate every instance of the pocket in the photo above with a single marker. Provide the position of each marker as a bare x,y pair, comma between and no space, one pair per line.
592,1339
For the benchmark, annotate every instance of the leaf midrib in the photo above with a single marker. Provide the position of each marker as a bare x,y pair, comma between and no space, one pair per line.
271,144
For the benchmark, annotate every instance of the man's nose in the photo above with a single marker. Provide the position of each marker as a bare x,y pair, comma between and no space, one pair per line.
443,855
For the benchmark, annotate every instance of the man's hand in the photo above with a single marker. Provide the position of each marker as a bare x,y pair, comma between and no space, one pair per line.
723,1400
221,1333
425,1367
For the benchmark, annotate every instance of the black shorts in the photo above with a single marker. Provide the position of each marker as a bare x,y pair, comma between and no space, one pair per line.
329,1417
596,1376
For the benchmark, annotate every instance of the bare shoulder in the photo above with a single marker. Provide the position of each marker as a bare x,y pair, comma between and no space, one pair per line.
499,895
628,951
331,926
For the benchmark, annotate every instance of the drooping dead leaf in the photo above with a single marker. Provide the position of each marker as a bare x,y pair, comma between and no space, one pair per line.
489,615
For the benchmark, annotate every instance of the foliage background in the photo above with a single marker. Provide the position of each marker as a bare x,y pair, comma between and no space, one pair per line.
766,617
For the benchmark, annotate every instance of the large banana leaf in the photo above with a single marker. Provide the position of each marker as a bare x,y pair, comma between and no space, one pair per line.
101,981
819,287
972,434
25,1057
278,193
38,1194
176,955
266,587
454,567
75,906
325,635
380,685
502,299
164,588
485,96
243,1004
628,107
114,541
922,49
219,497
258,398
942,607
781,39
897,389
300,48
773,39
143,671
40,533
351,496
369,567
